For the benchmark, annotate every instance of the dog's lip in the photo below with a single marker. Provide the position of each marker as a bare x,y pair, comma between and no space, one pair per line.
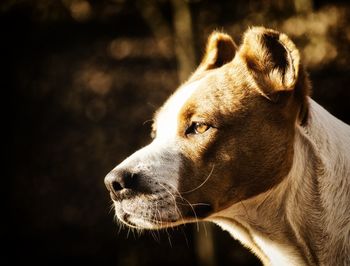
130,218
156,224
113,196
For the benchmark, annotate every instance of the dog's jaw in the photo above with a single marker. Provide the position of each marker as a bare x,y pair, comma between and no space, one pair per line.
147,212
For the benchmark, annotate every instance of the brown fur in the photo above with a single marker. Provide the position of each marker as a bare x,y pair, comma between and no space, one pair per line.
229,101
249,169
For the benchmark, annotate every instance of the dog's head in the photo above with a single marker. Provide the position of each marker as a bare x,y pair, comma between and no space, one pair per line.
224,136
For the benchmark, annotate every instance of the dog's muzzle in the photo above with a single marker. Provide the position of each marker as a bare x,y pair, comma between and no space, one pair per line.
144,190
140,204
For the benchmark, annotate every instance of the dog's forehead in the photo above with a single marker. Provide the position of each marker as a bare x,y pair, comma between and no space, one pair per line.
167,117
218,91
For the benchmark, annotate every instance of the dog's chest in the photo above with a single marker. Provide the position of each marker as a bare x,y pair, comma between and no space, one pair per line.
270,252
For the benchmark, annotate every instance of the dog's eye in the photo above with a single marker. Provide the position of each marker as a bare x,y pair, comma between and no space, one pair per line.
197,128
200,128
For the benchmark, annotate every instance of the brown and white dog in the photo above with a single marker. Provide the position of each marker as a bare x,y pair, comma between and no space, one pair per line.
241,144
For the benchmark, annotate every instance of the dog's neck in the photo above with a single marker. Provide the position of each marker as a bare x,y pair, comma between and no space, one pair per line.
283,226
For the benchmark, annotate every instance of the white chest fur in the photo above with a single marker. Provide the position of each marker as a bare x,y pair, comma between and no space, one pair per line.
269,252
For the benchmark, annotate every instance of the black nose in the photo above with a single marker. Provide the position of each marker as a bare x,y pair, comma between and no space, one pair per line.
118,180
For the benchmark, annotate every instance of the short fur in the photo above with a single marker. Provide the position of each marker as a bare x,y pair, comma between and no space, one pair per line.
270,165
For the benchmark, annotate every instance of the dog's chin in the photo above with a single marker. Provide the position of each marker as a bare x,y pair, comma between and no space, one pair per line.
146,216
144,224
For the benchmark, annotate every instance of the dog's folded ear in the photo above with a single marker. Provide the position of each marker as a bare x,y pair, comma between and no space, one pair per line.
274,63
220,50
272,59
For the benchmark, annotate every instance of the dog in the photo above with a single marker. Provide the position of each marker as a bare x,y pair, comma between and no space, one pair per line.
242,144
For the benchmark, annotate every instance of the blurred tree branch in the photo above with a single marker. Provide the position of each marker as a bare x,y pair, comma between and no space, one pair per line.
180,39
184,41
153,16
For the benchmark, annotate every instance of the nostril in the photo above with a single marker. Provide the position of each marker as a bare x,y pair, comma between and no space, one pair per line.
116,181
129,180
116,186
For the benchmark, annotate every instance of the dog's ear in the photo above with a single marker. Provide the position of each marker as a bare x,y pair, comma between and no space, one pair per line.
220,50
272,59
274,62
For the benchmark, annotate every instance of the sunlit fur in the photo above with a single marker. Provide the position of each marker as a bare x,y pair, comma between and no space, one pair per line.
309,211
272,167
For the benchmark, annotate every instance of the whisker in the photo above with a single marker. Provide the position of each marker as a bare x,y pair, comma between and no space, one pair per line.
111,208
160,218
189,204
183,232
120,227
177,210
205,229
133,233
169,238
153,235
127,235
139,231
189,191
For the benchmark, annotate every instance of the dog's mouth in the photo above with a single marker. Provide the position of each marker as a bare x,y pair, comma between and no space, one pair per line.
143,213
158,210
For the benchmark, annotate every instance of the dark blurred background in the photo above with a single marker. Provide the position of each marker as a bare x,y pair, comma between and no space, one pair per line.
87,75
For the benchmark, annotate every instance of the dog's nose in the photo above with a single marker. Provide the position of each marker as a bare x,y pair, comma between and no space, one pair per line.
118,180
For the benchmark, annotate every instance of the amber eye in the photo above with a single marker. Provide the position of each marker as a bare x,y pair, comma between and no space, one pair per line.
200,128
197,128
